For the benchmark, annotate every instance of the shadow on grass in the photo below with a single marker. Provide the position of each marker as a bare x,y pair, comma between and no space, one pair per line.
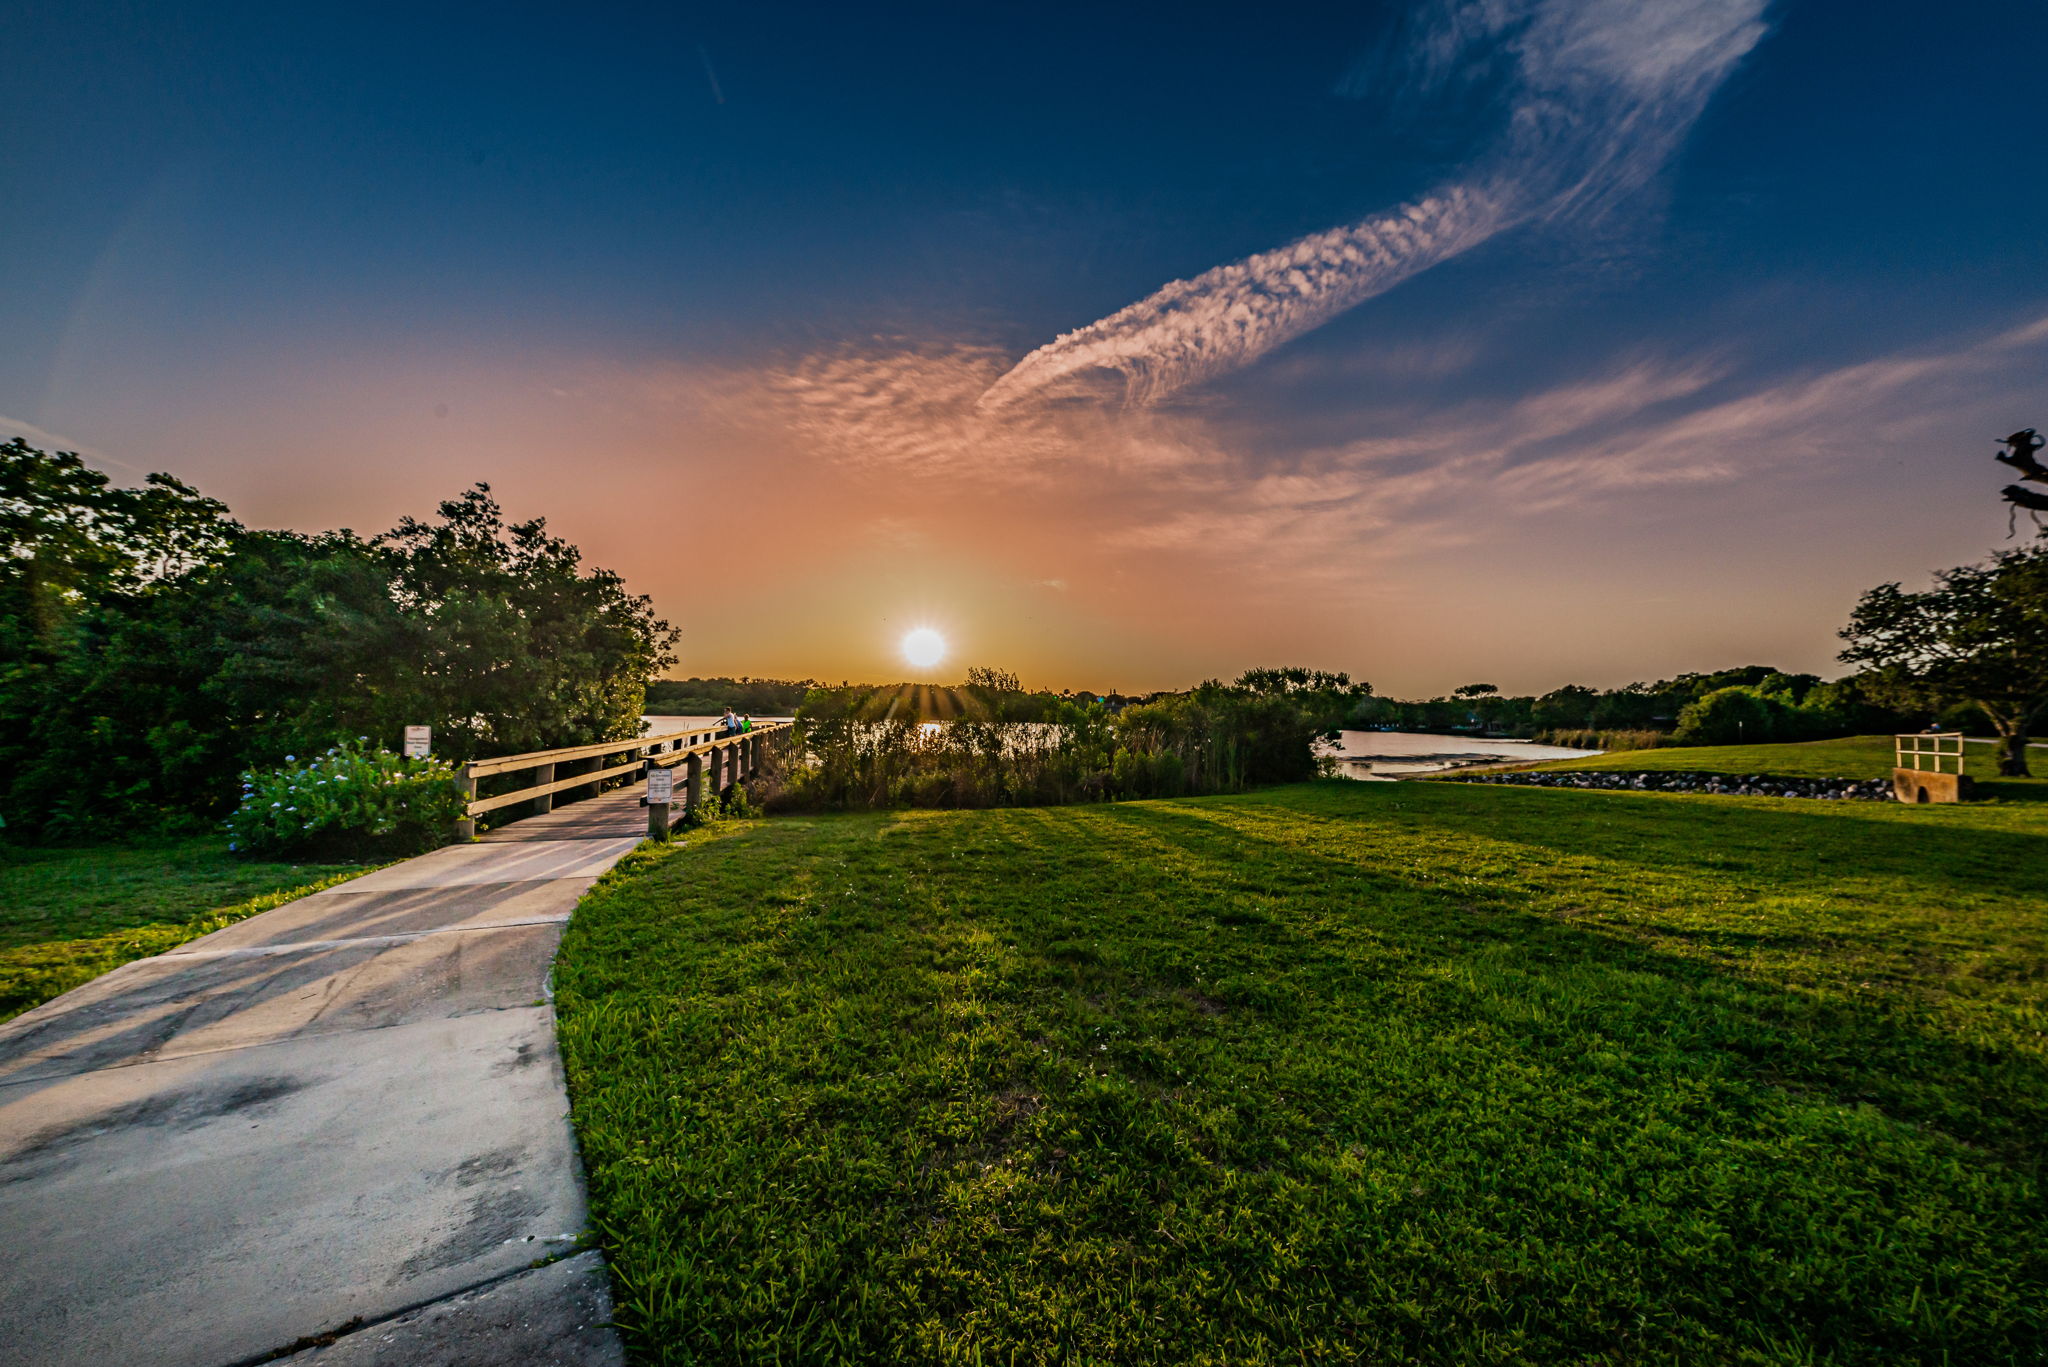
1245,1075
1797,845
1853,1048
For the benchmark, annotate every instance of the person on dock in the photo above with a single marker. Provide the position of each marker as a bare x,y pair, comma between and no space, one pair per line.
729,724
747,722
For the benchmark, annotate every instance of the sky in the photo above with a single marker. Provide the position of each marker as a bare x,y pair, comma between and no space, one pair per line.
1517,341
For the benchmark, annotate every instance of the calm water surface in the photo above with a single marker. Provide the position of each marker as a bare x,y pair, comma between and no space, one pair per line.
1396,754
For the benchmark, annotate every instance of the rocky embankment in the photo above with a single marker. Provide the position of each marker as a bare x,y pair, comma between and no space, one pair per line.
1732,785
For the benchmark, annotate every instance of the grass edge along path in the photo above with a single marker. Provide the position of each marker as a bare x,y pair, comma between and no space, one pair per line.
1332,1073
32,974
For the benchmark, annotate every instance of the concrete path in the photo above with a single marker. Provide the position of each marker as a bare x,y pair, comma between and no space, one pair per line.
335,1133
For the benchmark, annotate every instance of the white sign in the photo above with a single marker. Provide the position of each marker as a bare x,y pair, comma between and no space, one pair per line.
661,785
418,739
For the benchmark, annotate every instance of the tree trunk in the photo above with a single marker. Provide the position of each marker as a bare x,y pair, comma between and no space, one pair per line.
2012,751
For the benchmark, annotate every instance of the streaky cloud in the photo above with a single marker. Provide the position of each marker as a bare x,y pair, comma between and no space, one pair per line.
1601,93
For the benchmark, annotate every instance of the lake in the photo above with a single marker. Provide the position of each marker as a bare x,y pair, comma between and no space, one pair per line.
1397,754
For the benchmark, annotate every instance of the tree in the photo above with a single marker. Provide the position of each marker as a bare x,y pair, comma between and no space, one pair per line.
1477,690
2020,451
1565,709
1979,636
993,680
153,648
511,644
1295,681
69,539
1732,716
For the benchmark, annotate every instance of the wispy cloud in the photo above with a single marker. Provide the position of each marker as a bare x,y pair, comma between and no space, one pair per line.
1641,430
1601,92
898,407
46,440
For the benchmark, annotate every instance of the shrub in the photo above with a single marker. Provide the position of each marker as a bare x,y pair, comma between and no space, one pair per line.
353,802
1589,739
865,748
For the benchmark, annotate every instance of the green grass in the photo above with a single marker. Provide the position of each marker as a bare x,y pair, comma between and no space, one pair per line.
1851,757
68,915
1342,1072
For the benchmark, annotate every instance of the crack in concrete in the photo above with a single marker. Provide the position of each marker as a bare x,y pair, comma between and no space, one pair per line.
324,1338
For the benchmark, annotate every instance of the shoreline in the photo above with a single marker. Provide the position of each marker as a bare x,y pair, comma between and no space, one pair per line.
1389,756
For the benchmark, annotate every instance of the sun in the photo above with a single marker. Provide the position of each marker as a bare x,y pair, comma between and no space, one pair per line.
924,647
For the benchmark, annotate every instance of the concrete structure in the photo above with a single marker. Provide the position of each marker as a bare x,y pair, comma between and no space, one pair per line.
1927,785
1928,767
334,1133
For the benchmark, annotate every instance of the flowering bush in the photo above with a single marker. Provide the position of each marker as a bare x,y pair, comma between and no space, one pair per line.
352,802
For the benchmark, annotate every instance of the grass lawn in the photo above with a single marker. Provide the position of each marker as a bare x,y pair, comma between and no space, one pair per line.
69,915
1342,1072
1852,757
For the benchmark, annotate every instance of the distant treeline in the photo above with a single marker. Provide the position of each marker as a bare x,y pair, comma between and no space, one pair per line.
919,702
711,696
1753,703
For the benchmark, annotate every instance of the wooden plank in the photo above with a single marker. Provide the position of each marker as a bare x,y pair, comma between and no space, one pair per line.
533,759
491,804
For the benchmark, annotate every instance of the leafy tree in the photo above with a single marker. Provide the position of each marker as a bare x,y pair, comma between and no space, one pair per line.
1475,690
1292,682
510,643
68,537
1980,635
993,680
1564,708
1732,716
154,648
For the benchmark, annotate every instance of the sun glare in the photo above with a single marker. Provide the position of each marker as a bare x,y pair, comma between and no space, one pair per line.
924,647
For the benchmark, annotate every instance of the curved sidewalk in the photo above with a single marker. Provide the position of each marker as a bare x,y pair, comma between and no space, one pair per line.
335,1133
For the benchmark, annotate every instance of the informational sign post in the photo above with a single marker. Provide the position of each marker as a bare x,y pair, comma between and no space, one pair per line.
418,741
661,785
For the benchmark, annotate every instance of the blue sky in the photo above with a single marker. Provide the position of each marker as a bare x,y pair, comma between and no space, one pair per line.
337,263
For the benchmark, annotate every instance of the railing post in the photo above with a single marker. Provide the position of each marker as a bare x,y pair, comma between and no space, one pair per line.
545,803
465,784
660,786
693,779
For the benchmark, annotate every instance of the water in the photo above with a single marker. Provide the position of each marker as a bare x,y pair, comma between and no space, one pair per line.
1397,754
1379,755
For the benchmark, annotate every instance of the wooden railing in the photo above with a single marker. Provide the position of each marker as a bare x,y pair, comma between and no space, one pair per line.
728,759
1928,751
731,758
